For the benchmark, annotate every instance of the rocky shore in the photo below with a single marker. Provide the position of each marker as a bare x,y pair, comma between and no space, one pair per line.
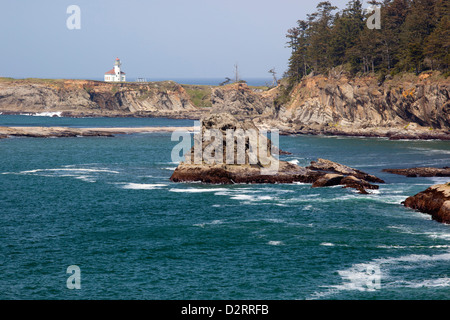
321,173
59,132
435,201
88,98
403,107
421,172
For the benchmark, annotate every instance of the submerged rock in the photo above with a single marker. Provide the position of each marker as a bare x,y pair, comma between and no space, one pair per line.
435,201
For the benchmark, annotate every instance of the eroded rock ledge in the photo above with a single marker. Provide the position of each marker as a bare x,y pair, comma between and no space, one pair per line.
421,172
435,201
321,173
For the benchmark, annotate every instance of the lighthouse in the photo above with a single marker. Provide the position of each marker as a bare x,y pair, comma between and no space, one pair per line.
115,74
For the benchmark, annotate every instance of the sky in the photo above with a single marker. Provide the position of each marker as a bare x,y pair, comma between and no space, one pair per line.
164,39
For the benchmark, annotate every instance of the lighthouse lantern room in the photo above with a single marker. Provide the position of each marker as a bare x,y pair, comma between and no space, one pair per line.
115,74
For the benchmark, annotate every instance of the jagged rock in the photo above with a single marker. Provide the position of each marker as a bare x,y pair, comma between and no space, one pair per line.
328,180
351,104
421,172
327,165
94,98
239,100
221,172
359,184
435,201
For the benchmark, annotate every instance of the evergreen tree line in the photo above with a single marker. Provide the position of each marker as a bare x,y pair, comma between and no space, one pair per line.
414,37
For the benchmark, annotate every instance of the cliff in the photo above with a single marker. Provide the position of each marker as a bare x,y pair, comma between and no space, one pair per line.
95,98
406,106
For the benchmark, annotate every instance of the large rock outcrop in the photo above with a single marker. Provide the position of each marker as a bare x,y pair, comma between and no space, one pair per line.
94,98
260,166
406,107
340,102
239,100
435,201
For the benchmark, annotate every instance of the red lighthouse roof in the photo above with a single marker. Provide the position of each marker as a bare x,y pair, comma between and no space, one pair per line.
113,72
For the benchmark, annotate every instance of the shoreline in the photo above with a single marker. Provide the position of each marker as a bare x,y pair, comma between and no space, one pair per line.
57,131
61,132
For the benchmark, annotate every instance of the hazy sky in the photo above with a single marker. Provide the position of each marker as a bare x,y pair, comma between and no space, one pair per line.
154,39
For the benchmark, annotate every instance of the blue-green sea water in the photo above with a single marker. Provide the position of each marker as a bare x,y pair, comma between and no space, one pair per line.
107,205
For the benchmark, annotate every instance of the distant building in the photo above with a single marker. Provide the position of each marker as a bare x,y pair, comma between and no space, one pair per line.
115,74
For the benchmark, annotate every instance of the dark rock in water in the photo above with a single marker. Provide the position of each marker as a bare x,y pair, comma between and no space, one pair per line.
328,180
330,166
435,201
359,184
421,172
221,171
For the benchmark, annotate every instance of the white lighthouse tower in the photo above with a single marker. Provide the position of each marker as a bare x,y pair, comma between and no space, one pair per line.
115,74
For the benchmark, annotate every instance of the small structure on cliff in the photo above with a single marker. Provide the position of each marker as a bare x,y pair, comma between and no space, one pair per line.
115,74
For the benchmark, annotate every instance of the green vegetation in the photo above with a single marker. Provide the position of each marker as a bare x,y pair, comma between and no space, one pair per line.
200,95
414,37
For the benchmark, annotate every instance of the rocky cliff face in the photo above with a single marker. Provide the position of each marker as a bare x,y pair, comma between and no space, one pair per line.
404,107
239,100
363,102
96,98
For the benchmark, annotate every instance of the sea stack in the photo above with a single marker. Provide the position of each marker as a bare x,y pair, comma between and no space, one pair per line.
252,158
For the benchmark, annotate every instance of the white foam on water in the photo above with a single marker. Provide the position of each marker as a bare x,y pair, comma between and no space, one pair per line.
142,186
77,170
170,168
444,246
214,222
428,283
432,235
361,276
84,178
327,244
275,220
431,151
438,235
246,197
275,243
48,114
197,190
440,180
295,161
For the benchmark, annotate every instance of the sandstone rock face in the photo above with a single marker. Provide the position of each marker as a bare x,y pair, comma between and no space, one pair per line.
94,98
421,172
405,108
257,170
239,100
362,102
327,165
434,201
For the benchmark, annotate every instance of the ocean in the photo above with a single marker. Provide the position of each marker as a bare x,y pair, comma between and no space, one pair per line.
107,206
